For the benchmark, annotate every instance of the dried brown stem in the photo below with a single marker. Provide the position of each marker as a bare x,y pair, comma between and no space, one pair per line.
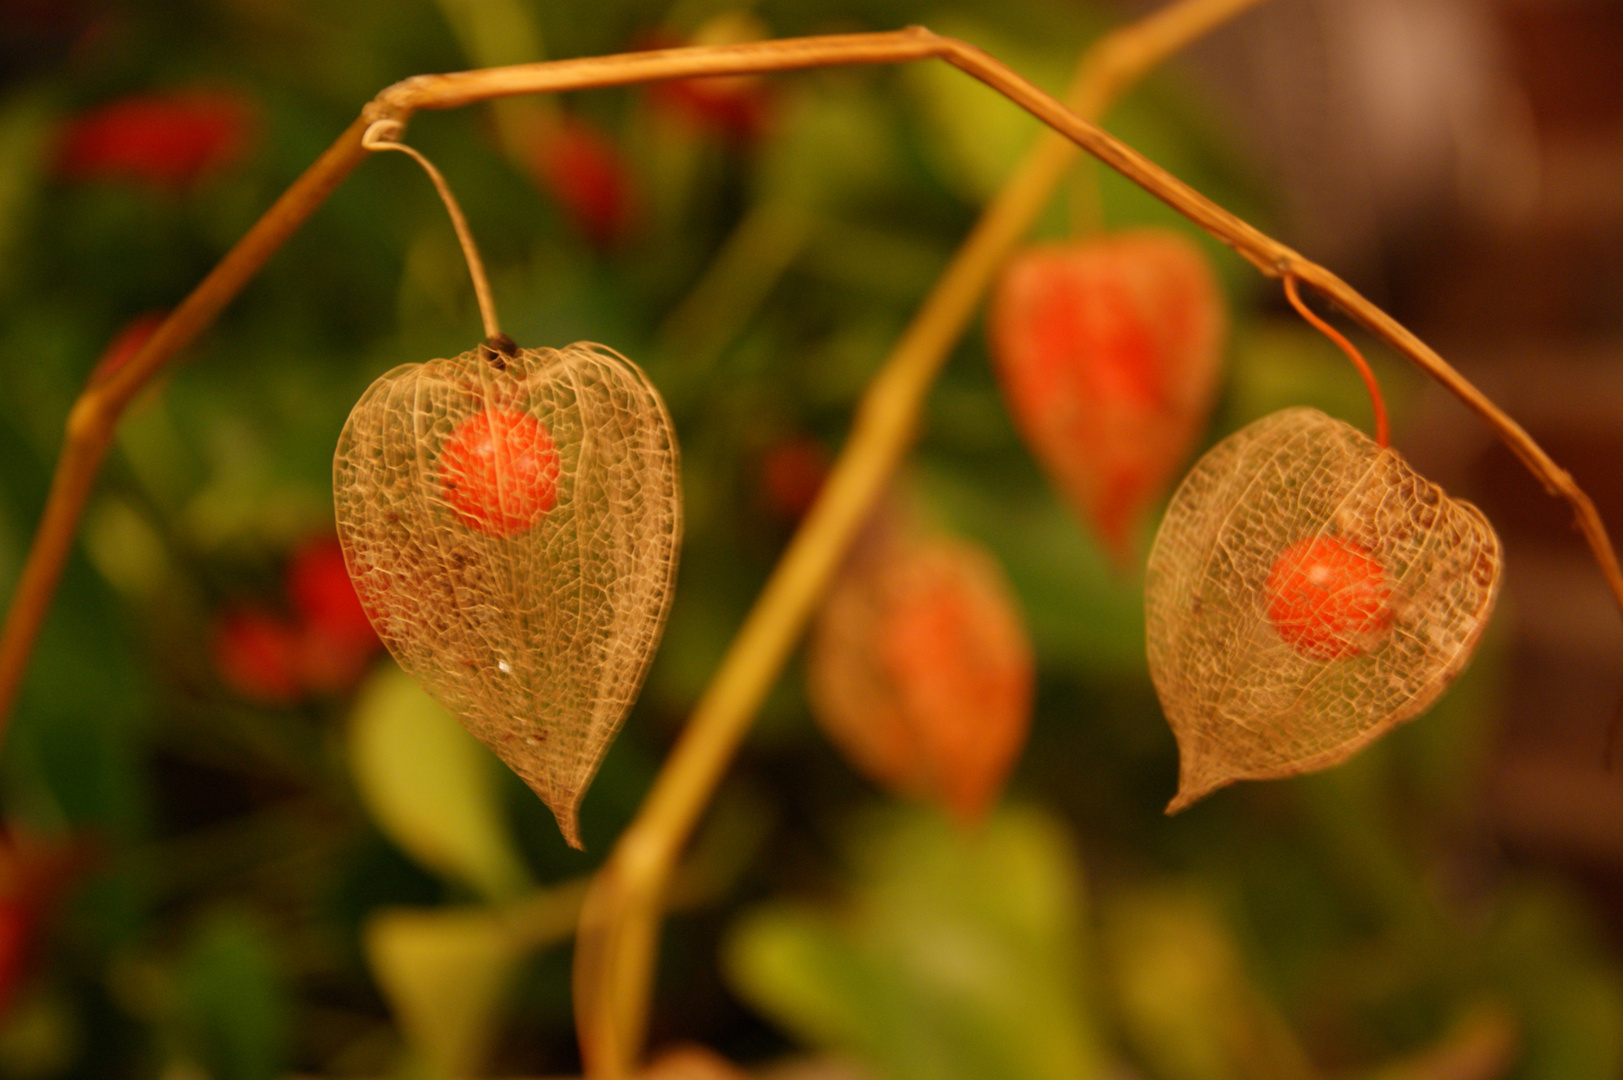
96,414
384,135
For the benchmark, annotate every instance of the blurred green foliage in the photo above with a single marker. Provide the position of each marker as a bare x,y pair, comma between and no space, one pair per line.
1334,925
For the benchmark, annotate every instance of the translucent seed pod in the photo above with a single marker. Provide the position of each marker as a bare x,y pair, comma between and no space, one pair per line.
511,522
1307,591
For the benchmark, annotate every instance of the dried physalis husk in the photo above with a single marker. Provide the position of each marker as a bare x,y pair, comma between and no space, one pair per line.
511,522
919,670
1307,591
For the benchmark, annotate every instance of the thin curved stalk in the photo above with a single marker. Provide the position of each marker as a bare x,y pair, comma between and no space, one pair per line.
384,135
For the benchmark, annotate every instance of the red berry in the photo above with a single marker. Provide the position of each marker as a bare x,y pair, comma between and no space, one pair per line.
732,106
336,639
169,141
321,592
16,931
735,107
34,875
584,173
257,655
126,343
1328,598
792,475
499,471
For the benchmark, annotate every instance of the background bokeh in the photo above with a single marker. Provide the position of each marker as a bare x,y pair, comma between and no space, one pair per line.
240,846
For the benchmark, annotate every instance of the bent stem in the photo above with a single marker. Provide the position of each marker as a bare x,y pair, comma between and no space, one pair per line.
619,926
384,135
1376,401
96,413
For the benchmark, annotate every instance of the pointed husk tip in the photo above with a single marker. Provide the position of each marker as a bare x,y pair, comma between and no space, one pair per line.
1196,780
569,824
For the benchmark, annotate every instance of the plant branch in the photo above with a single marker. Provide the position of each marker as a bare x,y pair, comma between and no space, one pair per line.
96,414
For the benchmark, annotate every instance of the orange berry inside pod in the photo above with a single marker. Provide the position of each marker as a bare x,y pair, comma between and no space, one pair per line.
1329,598
499,471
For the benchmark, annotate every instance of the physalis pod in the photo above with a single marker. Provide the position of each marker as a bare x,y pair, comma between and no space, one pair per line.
1307,591
919,669
1108,351
511,521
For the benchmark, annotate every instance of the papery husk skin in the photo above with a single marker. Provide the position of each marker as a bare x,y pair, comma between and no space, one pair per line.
1108,350
538,642
919,669
1242,702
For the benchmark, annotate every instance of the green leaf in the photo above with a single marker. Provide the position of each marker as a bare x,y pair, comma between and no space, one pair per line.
443,972
430,785
25,131
1179,986
959,955
494,32
832,147
232,1001
1549,962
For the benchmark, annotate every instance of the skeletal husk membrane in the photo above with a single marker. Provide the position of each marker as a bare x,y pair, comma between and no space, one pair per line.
1256,684
526,599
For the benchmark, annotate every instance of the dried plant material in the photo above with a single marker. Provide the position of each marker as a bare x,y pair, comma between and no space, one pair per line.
1307,592
920,670
511,523
1108,351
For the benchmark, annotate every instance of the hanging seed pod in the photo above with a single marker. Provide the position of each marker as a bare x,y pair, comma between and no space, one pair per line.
1307,591
1108,352
919,670
511,522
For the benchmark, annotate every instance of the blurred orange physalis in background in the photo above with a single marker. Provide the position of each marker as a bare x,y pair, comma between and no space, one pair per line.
1108,351
920,670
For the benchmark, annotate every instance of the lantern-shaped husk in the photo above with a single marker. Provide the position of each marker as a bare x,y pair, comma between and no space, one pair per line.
919,668
526,598
1306,592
